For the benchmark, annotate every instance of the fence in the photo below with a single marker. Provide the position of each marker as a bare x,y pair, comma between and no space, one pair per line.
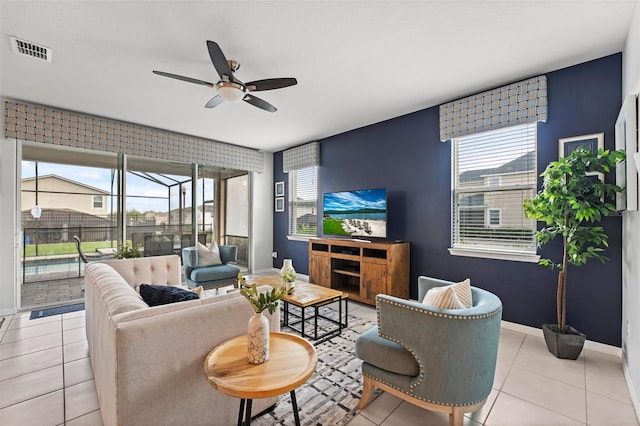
50,252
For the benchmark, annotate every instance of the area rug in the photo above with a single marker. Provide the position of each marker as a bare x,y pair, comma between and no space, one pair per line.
330,396
41,313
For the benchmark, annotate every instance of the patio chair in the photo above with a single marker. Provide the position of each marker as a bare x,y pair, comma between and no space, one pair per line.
80,253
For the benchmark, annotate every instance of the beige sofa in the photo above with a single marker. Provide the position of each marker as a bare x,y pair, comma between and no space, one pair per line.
148,361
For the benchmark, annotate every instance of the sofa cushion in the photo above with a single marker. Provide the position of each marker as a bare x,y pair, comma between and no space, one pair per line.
208,255
214,273
117,298
155,295
454,296
383,353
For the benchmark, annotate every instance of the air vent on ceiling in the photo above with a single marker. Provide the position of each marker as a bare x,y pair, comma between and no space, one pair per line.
31,49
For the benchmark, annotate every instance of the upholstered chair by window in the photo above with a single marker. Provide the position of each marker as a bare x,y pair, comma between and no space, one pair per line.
439,359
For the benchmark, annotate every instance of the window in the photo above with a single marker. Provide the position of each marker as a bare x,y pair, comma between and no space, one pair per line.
303,194
97,202
494,217
494,180
493,173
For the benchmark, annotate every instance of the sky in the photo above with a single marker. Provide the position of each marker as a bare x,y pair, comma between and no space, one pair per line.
353,200
155,195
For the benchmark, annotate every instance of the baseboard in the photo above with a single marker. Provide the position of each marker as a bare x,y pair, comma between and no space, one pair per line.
265,271
537,332
7,312
299,276
635,401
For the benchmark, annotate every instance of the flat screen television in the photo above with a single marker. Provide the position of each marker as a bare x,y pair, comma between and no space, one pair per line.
361,213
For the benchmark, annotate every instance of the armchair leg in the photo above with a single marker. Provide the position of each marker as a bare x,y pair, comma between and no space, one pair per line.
367,390
456,417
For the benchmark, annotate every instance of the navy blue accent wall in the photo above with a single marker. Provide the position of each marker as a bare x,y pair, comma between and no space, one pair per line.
405,156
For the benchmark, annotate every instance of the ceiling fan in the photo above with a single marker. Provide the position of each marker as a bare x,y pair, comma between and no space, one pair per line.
231,89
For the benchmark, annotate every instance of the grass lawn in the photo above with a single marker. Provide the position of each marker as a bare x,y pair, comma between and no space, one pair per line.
65,248
333,227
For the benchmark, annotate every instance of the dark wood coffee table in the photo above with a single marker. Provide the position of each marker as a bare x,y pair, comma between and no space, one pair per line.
308,295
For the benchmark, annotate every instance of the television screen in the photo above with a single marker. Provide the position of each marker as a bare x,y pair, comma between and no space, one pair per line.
361,213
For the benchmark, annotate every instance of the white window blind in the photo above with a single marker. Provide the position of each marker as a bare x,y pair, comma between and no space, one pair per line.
303,195
493,173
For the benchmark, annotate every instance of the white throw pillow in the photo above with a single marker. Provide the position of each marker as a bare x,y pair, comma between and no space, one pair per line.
454,296
208,255
199,291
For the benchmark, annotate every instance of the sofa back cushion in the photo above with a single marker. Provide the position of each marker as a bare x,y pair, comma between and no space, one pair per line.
162,270
116,295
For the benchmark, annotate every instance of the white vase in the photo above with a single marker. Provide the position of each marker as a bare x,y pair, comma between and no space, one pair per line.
286,266
258,339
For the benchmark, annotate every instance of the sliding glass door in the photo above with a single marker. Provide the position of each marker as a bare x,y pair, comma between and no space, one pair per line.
105,200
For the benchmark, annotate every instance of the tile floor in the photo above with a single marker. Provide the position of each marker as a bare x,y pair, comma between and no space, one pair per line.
46,379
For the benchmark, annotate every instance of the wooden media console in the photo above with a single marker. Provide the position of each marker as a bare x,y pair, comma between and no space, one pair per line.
361,269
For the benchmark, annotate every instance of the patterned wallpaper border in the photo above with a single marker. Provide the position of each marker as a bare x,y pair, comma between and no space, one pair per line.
59,127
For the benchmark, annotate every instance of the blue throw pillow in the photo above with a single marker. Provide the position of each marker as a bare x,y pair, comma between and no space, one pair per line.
155,295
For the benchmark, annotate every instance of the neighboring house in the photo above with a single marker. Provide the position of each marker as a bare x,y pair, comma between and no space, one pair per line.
61,225
173,218
496,209
56,192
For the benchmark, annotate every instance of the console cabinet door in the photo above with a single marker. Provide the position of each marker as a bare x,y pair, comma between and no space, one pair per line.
320,270
373,280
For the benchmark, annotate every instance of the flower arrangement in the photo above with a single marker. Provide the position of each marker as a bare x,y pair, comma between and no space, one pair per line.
289,276
261,301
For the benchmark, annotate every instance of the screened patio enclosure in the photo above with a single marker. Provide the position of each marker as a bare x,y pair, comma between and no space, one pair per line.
109,200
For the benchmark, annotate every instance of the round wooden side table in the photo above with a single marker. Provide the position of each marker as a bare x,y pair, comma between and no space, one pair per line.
292,360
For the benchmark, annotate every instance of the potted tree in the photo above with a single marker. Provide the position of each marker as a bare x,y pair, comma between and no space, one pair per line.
572,199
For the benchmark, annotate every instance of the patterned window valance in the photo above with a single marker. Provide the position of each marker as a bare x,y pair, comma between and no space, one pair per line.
59,127
517,103
301,156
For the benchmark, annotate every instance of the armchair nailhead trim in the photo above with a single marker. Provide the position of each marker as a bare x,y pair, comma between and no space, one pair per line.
427,312
419,397
421,376
439,314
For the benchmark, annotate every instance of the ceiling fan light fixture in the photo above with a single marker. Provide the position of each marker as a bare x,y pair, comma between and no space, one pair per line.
231,91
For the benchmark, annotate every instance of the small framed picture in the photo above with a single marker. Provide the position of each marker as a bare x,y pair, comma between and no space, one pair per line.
279,189
591,142
279,204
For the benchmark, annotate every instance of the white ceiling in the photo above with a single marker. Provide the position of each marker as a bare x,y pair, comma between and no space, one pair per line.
357,63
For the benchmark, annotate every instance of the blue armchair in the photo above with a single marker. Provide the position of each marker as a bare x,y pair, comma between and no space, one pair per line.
438,359
213,276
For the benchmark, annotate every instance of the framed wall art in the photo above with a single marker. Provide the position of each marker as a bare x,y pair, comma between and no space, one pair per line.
591,142
626,175
279,204
280,189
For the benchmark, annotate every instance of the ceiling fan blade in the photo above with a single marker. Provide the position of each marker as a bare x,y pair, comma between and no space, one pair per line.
257,102
219,60
183,78
214,102
270,84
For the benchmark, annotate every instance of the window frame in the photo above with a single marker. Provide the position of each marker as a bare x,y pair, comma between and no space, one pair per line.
489,218
93,202
491,184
